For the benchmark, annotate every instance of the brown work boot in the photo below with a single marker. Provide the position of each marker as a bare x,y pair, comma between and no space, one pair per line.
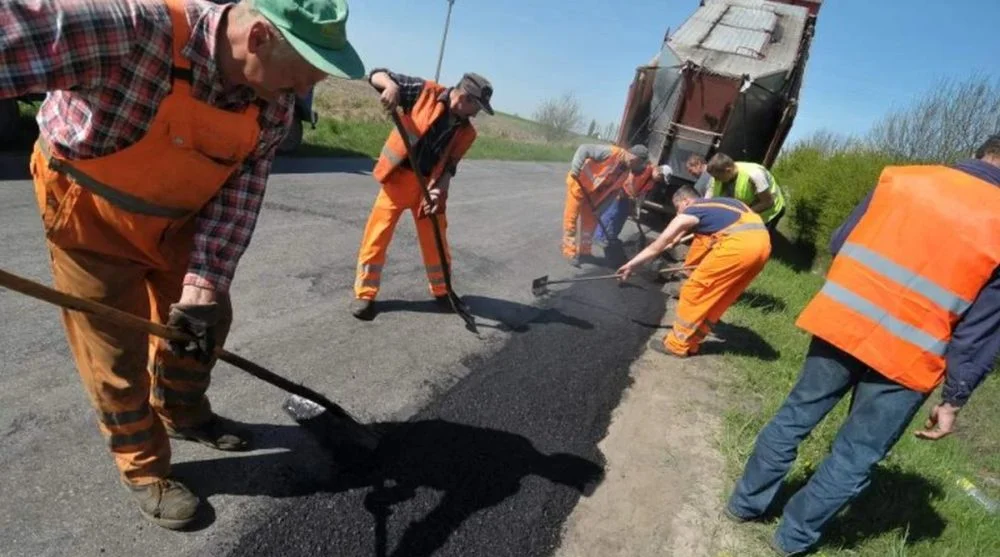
363,309
166,503
215,433
656,345
443,301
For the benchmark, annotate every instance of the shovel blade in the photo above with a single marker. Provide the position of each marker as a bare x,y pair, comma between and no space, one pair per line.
328,426
538,286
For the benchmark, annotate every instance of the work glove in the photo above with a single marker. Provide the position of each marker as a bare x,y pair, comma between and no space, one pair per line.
198,321
439,199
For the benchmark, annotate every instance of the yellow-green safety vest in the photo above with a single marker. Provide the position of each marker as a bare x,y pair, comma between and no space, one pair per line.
745,192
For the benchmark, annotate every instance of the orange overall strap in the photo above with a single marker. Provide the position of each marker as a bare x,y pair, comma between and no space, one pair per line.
181,32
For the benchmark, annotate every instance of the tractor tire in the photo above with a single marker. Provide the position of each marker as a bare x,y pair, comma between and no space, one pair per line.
294,138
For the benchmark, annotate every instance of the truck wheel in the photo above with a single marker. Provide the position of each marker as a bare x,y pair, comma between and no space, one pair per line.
9,118
293,139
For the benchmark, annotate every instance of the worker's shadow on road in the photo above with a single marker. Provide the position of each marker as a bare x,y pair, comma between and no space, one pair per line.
896,501
734,339
506,315
471,468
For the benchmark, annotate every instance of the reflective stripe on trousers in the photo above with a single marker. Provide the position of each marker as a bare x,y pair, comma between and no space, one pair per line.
718,281
579,221
401,193
133,395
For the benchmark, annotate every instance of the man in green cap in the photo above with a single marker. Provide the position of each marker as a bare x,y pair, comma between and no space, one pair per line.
156,141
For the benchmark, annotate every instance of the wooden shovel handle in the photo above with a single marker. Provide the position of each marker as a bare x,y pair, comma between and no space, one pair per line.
67,301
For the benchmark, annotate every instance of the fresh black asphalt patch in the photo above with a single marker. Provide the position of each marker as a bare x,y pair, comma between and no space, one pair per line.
496,464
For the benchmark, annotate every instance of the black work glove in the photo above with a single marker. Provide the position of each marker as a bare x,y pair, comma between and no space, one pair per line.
198,321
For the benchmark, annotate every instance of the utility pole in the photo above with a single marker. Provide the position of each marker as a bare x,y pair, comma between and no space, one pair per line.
444,37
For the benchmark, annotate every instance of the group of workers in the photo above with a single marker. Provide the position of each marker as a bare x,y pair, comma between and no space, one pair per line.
894,319
157,140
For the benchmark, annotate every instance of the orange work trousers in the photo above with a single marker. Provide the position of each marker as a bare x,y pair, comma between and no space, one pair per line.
724,272
579,221
402,191
134,383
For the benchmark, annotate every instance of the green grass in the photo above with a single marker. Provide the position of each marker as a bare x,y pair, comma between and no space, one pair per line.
913,506
495,148
355,138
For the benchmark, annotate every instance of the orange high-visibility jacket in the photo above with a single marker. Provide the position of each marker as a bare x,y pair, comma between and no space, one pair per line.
601,170
911,267
425,111
636,185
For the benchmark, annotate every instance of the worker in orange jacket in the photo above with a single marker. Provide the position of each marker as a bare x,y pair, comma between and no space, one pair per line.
155,145
597,175
737,248
438,120
895,319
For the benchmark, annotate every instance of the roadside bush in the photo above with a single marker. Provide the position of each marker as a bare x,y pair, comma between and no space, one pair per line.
824,188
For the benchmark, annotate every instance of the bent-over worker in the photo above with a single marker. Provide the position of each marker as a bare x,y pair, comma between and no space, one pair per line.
597,174
737,248
894,319
156,142
438,118
617,213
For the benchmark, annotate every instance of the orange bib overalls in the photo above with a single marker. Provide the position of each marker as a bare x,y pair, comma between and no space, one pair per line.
120,231
731,259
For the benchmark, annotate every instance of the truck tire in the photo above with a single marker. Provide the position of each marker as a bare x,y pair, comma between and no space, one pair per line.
9,120
293,139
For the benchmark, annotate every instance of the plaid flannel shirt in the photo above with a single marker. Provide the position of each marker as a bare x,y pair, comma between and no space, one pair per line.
106,65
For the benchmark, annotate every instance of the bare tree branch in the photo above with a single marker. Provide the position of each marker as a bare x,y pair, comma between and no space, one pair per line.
560,117
945,124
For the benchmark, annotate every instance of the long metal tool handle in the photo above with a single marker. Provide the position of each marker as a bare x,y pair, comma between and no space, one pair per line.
582,279
677,268
67,301
456,303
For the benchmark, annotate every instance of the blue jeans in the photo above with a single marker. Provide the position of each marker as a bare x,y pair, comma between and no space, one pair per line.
882,409
614,220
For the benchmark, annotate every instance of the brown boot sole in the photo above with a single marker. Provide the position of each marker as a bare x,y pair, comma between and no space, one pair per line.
168,523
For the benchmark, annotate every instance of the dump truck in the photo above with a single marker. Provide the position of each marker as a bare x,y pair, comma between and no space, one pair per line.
727,80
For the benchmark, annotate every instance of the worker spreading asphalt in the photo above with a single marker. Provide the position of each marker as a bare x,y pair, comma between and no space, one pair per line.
494,465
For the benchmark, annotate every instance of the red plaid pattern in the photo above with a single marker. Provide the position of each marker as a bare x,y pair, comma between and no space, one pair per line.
106,65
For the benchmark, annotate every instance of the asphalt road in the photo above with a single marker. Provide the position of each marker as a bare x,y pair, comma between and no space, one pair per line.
490,439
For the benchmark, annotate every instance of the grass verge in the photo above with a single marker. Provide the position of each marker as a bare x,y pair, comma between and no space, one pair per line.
357,138
913,506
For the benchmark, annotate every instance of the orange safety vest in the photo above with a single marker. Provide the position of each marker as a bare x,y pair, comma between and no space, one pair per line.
601,178
636,185
426,110
908,271
135,203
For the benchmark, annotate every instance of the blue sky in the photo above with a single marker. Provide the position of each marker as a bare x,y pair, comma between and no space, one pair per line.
868,56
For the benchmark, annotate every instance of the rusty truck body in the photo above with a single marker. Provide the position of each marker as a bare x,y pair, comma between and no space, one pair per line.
727,80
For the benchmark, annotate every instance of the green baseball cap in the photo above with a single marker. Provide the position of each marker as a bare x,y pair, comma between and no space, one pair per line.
317,30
